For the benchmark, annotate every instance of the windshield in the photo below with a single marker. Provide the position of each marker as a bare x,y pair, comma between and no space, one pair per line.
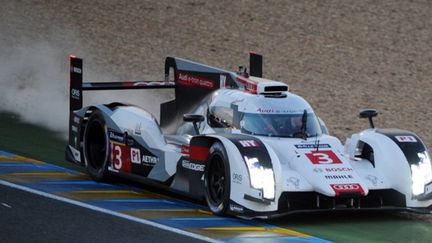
279,125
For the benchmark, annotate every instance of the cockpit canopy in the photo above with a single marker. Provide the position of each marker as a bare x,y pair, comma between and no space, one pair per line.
289,116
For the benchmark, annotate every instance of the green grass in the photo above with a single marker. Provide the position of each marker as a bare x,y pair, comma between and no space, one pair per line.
32,141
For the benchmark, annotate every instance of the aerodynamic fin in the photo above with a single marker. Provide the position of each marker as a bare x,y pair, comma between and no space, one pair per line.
255,65
75,85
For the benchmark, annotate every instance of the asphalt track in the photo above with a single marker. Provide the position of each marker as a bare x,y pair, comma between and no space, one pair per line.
29,217
192,217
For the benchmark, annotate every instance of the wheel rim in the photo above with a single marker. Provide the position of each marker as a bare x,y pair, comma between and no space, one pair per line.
217,180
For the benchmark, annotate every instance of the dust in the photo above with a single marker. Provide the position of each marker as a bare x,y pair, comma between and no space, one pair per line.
34,84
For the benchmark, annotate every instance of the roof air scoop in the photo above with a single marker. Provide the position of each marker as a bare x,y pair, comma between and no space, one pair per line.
272,89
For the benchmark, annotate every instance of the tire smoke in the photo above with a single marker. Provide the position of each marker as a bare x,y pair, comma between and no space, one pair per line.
34,82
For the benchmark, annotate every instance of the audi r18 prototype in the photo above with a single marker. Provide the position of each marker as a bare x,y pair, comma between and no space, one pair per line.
246,145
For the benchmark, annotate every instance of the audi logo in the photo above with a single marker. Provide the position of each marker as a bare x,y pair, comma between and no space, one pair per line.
346,187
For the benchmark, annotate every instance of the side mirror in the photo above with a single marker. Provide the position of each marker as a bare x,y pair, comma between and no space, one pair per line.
369,113
195,119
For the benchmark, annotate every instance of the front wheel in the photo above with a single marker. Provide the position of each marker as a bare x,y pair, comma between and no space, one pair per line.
217,180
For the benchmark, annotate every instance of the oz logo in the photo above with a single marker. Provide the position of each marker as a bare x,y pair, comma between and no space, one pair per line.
323,157
75,94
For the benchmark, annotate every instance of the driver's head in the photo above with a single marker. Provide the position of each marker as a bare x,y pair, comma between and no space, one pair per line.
296,121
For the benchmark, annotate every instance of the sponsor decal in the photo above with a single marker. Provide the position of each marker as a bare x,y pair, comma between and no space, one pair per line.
337,177
118,137
75,94
149,83
76,120
222,80
76,70
323,157
347,188
249,85
138,129
192,166
120,157
185,150
340,169
312,146
265,110
130,141
194,81
237,178
74,129
284,111
135,155
236,208
373,179
293,181
149,160
428,188
318,170
76,153
249,143
406,139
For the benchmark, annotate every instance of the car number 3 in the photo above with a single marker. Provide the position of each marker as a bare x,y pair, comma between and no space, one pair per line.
323,157
116,156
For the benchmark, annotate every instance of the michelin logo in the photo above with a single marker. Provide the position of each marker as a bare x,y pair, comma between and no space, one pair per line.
116,137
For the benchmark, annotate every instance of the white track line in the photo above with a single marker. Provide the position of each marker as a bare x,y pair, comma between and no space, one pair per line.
110,212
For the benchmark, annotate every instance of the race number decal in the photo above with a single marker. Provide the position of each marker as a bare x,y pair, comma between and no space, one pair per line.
323,157
120,157
406,139
135,156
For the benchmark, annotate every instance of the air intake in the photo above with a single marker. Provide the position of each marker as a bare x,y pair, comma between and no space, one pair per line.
281,88
272,89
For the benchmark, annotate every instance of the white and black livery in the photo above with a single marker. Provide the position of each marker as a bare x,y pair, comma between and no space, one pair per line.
246,145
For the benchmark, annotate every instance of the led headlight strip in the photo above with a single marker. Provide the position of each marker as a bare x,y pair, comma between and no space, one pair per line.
421,173
261,178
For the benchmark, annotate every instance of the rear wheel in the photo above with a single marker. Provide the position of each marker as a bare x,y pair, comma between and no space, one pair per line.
96,147
217,180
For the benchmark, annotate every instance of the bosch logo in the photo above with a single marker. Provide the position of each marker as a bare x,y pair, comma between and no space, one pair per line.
76,70
340,169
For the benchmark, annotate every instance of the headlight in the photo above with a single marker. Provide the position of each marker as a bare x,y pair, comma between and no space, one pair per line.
421,173
261,178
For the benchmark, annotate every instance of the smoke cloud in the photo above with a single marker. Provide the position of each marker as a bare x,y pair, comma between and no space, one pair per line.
34,84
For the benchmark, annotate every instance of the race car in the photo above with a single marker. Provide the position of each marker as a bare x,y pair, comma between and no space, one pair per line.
245,145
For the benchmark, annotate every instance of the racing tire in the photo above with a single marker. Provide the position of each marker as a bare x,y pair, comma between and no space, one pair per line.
96,147
217,180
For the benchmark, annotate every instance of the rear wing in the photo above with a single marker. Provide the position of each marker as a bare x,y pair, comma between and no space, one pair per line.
77,86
